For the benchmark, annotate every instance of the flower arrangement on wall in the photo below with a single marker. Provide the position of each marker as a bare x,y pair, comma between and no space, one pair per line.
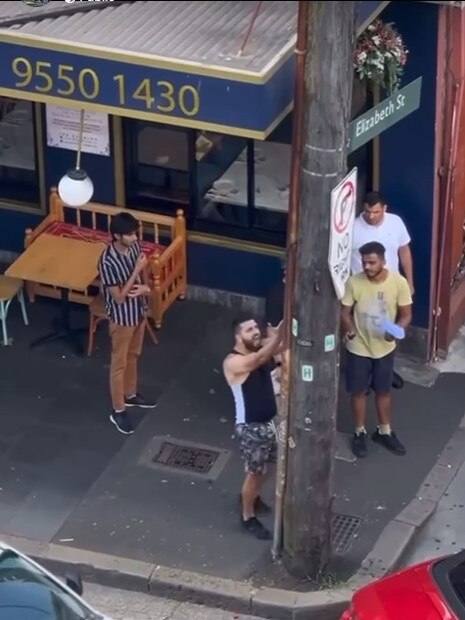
380,56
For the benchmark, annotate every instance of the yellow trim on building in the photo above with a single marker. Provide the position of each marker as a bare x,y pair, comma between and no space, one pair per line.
118,153
278,120
148,116
235,244
148,60
21,207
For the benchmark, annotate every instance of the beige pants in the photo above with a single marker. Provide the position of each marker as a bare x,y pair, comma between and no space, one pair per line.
126,347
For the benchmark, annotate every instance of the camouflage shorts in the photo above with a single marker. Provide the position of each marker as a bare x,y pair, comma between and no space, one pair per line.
257,443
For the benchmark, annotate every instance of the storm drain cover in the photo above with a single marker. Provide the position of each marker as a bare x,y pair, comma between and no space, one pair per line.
187,458
344,530
171,455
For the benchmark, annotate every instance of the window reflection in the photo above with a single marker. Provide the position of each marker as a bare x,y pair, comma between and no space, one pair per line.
18,166
224,184
157,166
222,180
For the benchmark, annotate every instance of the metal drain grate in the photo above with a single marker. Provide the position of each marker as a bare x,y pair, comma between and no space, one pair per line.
186,458
344,530
170,455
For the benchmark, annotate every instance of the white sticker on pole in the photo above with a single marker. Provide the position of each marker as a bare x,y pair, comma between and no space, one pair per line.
295,328
343,204
307,373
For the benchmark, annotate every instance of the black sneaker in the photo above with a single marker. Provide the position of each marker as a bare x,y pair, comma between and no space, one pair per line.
122,423
359,445
256,528
138,401
390,442
259,506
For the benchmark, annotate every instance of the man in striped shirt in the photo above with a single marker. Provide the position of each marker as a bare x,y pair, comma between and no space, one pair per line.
123,273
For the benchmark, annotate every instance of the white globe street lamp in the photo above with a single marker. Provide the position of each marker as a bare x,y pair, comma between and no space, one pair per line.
76,188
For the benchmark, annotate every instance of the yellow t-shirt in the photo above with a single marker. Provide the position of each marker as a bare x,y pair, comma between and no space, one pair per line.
373,301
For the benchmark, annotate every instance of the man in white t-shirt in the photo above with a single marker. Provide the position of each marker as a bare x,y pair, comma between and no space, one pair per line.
375,224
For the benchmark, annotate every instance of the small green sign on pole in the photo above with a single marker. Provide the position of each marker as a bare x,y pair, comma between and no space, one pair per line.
307,373
330,343
384,115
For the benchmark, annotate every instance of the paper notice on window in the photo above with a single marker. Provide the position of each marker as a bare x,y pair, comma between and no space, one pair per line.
63,130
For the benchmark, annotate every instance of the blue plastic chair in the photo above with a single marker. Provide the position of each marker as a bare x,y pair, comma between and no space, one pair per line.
9,289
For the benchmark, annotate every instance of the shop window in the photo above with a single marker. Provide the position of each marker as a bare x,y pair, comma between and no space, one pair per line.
157,167
19,178
227,186
243,188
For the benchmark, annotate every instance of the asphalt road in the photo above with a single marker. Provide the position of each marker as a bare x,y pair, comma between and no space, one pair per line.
122,605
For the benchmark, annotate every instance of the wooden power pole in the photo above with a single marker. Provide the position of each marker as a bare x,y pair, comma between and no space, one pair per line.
314,356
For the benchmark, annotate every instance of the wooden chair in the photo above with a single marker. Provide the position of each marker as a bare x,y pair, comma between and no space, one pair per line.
98,314
9,289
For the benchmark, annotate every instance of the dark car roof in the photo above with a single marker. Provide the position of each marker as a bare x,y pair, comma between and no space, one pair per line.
25,601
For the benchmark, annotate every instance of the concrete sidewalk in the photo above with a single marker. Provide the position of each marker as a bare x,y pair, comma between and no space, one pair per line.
68,478
444,533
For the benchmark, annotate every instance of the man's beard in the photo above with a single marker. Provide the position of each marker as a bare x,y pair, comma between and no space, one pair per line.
253,345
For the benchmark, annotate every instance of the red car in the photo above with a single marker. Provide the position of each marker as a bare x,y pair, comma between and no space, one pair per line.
434,590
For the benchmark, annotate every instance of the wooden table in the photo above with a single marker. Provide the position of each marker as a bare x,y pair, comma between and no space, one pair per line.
65,263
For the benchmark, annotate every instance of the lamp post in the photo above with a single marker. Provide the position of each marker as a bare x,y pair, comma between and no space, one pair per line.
76,188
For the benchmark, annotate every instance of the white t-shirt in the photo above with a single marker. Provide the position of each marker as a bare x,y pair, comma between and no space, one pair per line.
392,233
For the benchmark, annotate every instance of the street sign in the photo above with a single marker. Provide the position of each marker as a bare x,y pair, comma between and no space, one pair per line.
343,203
386,114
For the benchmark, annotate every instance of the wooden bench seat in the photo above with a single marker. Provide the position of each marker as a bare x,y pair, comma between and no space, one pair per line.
64,229
162,238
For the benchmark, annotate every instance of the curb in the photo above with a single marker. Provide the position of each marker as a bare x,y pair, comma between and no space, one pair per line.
242,597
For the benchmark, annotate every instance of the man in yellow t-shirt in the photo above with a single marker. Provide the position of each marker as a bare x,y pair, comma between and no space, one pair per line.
374,301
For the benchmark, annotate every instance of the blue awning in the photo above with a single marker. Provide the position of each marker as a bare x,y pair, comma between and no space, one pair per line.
172,63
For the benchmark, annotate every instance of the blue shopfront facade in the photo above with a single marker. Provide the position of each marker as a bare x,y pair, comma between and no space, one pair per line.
407,170
220,126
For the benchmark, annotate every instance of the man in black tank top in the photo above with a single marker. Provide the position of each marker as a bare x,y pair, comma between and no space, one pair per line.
247,369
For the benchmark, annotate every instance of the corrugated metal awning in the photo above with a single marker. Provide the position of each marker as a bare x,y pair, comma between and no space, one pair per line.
175,63
172,62
207,33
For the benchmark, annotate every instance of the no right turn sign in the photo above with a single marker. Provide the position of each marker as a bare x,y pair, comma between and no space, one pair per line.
343,204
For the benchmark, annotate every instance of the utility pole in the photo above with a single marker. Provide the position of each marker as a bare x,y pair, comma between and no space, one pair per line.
314,346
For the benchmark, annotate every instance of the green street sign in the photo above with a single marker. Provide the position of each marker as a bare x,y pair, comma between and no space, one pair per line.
384,115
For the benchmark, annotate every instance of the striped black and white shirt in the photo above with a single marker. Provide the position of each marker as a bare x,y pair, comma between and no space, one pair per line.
115,270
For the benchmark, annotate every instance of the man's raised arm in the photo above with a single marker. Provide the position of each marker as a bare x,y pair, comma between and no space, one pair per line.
243,364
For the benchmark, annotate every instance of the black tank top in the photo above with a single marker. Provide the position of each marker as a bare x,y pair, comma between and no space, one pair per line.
255,399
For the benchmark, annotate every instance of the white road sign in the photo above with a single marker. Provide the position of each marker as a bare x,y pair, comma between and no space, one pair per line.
343,203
